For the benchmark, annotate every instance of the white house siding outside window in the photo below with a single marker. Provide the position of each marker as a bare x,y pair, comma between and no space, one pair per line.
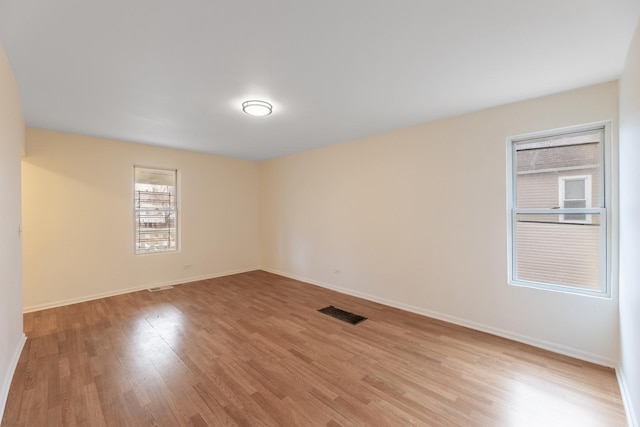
558,218
156,212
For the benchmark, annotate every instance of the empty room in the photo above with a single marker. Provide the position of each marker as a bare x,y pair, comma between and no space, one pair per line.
319,214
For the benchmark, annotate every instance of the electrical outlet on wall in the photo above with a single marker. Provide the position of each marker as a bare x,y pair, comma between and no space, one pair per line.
186,267
337,271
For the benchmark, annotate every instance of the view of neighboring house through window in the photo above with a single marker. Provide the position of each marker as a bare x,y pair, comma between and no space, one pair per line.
155,201
558,225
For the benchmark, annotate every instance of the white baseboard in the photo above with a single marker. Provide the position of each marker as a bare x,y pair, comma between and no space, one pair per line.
4,392
546,345
62,303
632,418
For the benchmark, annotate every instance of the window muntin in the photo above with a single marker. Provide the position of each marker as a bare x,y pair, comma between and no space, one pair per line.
558,225
156,213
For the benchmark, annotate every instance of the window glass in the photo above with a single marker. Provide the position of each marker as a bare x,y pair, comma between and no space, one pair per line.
155,201
558,227
574,190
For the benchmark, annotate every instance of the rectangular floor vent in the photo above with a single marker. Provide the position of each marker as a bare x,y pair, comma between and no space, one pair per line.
345,316
160,288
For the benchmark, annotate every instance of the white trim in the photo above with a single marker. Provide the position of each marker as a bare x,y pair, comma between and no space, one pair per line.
4,393
566,129
545,345
555,211
512,259
632,419
565,169
175,282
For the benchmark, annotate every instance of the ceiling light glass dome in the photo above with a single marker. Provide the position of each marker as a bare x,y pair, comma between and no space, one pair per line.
257,108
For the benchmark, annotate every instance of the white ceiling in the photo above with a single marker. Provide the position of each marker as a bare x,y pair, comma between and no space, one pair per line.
174,72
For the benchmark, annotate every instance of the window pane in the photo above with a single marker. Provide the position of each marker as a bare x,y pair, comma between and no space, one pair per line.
575,218
575,203
574,189
558,253
155,209
541,163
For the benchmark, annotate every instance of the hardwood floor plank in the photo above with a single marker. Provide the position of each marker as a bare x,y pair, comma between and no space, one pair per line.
252,350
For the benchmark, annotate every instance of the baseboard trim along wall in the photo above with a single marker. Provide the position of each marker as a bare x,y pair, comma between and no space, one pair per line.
4,392
62,303
545,345
632,418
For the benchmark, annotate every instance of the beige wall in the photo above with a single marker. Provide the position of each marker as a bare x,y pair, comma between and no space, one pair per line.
630,228
417,218
11,146
78,218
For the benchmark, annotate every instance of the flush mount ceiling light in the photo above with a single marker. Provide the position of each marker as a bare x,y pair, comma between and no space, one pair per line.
257,108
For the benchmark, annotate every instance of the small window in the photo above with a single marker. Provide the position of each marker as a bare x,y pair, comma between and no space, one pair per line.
155,201
558,214
575,192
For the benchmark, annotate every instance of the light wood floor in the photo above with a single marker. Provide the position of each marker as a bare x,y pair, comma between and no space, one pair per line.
251,349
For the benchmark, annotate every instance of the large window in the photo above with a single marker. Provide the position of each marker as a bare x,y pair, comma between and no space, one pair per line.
155,201
557,206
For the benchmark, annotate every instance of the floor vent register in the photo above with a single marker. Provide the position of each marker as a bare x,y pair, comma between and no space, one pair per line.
345,316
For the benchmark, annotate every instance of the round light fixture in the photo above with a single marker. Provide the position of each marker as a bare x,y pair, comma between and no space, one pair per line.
257,108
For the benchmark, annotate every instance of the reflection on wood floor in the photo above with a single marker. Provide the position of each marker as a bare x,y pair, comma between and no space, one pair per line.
251,349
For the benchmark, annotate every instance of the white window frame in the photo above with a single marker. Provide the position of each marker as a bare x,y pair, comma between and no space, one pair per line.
174,210
587,194
607,238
